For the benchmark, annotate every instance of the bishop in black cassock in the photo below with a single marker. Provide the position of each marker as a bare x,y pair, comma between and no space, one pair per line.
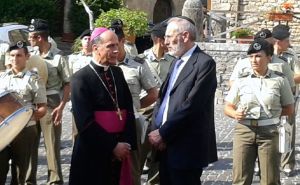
93,161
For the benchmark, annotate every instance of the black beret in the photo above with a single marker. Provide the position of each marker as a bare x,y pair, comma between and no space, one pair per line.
117,22
281,34
118,30
38,25
260,45
17,45
264,34
159,30
281,27
86,32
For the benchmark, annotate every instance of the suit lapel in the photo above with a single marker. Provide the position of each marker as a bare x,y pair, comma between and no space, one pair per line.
187,69
164,86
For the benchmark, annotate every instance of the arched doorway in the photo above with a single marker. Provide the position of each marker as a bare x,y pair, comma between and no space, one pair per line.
162,10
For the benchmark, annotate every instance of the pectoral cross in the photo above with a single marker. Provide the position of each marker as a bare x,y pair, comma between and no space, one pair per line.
119,113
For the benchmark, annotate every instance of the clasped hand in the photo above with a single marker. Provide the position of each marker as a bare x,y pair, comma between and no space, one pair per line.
156,140
122,151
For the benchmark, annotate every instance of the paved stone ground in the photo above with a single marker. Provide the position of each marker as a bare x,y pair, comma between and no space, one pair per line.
219,173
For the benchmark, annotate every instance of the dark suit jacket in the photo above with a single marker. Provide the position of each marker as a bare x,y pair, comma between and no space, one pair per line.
189,131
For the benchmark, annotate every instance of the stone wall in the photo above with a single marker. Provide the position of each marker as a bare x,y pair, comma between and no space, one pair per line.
226,55
258,8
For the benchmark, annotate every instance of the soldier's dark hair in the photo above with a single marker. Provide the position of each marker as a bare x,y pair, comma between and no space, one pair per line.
42,34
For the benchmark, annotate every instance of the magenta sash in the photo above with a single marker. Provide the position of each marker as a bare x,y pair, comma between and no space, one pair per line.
110,121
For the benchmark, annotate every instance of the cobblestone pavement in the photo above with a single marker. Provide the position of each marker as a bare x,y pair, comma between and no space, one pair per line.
219,173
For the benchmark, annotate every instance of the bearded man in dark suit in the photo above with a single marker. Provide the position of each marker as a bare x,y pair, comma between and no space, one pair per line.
184,131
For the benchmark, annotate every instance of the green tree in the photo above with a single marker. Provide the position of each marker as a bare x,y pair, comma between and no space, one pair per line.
79,18
135,22
22,11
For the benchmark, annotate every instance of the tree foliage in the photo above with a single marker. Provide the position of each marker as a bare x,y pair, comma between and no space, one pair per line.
22,11
79,18
135,22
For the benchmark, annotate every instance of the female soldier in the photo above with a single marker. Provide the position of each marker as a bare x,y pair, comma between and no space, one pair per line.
257,100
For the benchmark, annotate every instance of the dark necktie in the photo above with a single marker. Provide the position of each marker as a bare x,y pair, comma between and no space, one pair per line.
159,116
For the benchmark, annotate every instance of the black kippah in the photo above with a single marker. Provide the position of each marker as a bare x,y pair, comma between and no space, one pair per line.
186,18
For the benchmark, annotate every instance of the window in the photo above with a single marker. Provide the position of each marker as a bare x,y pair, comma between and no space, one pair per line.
17,35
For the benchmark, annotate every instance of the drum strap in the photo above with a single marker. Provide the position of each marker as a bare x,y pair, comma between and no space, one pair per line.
27,76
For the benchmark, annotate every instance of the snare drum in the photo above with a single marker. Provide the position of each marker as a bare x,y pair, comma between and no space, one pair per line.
14,115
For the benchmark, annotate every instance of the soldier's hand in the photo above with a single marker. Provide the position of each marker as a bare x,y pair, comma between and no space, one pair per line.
57,115
239,115
122,150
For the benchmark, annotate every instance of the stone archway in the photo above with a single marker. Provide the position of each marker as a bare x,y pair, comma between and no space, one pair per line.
162,10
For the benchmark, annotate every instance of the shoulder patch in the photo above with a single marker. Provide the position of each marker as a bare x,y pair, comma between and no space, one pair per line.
33,74
139,60
279,73
243,74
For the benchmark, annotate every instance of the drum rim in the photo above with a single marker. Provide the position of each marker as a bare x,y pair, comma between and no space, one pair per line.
9,118
5,92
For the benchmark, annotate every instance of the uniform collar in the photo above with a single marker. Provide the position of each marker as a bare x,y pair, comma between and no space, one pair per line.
125,60
151,55
51,53
18,75
83,54
268,74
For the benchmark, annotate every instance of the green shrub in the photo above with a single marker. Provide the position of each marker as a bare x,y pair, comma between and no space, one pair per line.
79,18
135,22
22,11
242,32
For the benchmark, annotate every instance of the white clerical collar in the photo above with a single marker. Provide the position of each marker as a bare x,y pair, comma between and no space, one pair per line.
100,65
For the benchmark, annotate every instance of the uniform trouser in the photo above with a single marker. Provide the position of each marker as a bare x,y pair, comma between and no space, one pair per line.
288,159
74,130
52,136
147,154
249,143
33,162
19,152
150,155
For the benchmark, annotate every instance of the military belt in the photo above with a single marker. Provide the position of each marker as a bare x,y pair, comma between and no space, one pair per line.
260,122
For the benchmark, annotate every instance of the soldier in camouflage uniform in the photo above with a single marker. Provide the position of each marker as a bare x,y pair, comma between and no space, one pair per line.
79,60
256,101
281,35
32,90
159,62
58,90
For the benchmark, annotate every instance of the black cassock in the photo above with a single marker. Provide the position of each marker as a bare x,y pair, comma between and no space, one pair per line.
93,162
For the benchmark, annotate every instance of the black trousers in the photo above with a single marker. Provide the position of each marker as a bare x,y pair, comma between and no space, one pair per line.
172,176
